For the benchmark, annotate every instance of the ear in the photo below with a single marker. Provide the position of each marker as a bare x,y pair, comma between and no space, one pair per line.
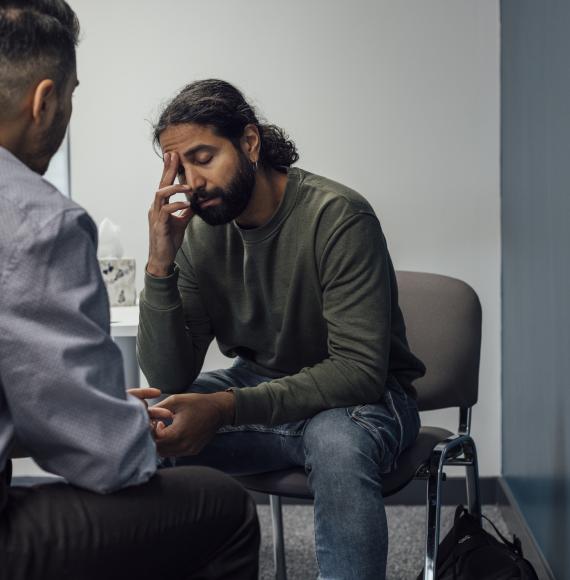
43,100
251,142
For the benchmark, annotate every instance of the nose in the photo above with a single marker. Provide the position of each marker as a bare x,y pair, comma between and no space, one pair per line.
194,178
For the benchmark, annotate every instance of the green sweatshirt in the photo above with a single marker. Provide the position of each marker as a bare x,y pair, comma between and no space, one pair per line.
309,299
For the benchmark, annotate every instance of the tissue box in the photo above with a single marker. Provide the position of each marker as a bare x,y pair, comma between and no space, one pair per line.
119,278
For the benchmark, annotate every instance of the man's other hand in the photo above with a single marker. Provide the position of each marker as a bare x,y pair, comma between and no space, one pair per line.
166,225
155,414
197,417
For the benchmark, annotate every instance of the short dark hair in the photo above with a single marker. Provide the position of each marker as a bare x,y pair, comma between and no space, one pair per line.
223,107
37,40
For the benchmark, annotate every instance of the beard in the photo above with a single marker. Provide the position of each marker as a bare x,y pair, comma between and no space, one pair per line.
234,197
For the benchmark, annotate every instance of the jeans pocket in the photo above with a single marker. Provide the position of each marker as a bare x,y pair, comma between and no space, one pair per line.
383,423
394,424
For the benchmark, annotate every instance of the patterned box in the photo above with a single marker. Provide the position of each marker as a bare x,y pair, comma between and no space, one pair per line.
119,278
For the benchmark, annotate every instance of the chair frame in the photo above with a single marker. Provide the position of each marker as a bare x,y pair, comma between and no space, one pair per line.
456,450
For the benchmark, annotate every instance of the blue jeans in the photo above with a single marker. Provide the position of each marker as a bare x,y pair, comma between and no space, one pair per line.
345,452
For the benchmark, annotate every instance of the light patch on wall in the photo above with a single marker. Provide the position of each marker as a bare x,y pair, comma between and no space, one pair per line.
58,170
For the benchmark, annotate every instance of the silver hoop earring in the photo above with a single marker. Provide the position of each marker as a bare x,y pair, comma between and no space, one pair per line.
254,165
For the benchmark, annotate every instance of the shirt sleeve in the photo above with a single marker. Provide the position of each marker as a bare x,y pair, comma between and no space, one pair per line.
61,372
355,281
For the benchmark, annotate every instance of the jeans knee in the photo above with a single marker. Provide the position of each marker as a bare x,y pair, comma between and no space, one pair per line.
335,445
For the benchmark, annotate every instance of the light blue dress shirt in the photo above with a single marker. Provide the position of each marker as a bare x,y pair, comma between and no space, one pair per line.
62,388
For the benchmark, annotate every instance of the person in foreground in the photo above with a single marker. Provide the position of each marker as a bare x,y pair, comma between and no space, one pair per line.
62,391
290,273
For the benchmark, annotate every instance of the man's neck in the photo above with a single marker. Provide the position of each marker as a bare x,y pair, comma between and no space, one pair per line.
267,194
12,139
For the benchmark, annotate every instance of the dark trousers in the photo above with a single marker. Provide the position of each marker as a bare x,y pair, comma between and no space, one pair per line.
185,523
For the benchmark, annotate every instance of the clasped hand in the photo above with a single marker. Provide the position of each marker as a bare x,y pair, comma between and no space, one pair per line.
195,418
155,414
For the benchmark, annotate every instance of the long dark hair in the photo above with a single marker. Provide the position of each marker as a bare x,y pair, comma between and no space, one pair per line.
220,105
37,39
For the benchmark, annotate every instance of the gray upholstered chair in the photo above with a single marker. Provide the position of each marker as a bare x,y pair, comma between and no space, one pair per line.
443,321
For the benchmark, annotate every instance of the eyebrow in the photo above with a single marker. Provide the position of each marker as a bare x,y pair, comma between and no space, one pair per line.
197,148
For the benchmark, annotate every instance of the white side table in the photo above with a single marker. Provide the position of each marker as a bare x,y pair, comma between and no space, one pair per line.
124,326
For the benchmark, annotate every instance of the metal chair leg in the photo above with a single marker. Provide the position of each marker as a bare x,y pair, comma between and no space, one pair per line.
437,462
433,515
472,480
278,539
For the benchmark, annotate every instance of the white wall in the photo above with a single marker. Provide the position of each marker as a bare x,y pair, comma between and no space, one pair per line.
58,170
399,99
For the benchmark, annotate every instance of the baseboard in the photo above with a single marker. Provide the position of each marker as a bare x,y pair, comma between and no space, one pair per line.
518,525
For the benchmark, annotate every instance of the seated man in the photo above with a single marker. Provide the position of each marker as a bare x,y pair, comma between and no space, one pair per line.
290,273
62,391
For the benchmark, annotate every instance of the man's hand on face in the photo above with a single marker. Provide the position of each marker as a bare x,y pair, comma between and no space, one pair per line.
197,417
166,230
155,414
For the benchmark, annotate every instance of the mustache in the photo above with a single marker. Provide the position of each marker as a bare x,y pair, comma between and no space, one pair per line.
200,195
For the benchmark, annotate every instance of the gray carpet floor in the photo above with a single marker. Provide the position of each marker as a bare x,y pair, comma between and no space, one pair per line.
405,554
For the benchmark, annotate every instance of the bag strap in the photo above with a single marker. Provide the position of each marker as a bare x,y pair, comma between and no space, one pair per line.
515,545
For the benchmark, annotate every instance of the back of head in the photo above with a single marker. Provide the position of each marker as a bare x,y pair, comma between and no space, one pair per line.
221,106
37,41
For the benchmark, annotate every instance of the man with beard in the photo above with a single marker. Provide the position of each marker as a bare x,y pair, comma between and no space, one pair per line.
62,391
290,273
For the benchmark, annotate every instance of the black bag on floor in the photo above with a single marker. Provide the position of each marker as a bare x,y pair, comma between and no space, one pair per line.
468,552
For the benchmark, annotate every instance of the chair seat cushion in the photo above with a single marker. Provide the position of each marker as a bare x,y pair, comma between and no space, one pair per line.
293,482
413,458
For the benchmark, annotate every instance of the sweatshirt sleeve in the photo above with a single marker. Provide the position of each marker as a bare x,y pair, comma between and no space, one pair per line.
174,329
355,281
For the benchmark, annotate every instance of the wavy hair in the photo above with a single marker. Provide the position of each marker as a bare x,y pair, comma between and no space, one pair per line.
223,107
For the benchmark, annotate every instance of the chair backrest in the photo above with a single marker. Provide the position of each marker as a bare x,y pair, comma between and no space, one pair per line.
443,324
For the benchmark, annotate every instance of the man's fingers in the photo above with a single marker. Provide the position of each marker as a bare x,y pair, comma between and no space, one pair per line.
162,196
184,216
164,433
169,170
167,210
156,413
165,166
156,427
168,403
166,192
144,392
166,439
